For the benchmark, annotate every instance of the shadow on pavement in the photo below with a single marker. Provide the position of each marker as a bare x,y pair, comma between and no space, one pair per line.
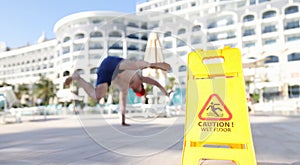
57,141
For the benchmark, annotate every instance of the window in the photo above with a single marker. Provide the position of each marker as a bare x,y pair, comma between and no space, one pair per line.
93,71
180,43
228,21
269,14
79,36
116,45
249,44
248,18
95,45
66,39
78,47
230,35
271,59
181,31
94,56
168,45
115,34
270,41
270,93
291,10
292,25
249,32
212,25
66,60
95,34
270,28
133,36
196,40
144,26
293,38
78,57
168,34
212,37
66,50
80,71
183,53
294,91
132,47
294,57
261,1
143,47
96,21
132,24
66,73
196,28
252,2
144,37
182,68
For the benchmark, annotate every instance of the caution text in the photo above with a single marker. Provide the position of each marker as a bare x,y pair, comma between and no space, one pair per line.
216,126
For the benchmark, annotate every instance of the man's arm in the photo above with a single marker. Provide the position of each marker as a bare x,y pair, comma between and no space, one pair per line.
151,81
123,101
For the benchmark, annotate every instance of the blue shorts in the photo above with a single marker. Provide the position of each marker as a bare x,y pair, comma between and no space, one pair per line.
106,70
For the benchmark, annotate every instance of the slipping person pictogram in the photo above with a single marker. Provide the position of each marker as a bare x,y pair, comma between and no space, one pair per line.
214,109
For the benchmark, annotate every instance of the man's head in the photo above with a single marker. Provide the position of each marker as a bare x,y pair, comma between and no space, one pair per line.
139,90
142,91
137,86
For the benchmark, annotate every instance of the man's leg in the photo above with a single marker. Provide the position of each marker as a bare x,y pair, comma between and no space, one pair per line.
95,94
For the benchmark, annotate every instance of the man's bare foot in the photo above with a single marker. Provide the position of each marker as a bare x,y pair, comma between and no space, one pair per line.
160,65
125,124
75,76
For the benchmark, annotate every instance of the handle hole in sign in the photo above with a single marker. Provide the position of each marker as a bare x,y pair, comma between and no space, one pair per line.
213,60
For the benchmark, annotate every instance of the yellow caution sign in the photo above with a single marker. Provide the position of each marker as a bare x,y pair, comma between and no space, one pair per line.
217,123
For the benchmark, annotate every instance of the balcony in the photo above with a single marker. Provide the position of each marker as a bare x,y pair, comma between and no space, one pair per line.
132,48
249,32
269,29
292,25
221,37
133,36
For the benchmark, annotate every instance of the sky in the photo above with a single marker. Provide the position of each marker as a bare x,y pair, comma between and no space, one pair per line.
23,21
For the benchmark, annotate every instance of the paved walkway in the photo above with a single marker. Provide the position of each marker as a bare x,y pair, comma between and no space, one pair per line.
77,140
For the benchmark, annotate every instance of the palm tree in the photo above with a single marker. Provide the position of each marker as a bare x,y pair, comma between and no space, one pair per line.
171,83
44,89
5,84
22,89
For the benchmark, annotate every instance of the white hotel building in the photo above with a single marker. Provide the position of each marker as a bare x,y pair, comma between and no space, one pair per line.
262,29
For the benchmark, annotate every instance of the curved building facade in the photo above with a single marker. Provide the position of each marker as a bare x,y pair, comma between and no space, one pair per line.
85,39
